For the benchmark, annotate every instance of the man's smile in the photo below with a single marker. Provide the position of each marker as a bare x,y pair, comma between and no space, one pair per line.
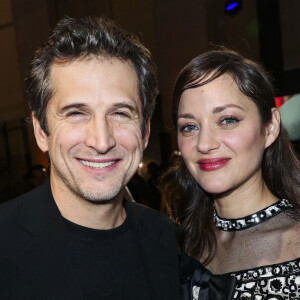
97,165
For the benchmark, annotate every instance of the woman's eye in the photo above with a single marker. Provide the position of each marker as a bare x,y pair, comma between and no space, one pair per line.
229,121
188,129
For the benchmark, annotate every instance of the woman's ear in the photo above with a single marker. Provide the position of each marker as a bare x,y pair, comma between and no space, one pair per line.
40,135
273,128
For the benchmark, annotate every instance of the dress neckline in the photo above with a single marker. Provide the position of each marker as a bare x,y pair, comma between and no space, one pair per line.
253,219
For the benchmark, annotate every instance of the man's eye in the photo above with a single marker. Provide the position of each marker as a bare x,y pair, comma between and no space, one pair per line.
74,113
121,116
229,121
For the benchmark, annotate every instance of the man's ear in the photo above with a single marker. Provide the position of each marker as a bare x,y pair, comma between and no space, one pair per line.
40,135
273,128
146,135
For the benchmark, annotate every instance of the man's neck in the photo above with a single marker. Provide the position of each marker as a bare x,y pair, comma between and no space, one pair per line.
82,212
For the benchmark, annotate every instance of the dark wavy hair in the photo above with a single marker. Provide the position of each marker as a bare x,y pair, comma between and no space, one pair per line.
74,39
280,167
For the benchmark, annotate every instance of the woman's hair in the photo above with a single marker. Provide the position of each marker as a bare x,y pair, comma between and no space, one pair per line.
280,167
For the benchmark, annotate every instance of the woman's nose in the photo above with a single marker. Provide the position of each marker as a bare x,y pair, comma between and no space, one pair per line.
207,140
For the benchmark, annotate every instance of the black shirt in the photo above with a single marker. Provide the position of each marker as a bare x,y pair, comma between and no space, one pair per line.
105,264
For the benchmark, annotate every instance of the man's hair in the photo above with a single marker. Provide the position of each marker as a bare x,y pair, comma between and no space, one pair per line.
74,39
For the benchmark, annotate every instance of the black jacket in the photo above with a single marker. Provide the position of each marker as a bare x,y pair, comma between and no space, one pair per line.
30,234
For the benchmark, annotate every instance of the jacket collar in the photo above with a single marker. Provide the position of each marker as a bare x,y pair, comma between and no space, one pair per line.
38,210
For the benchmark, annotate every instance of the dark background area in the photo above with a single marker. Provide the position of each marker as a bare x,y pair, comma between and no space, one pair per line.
175,31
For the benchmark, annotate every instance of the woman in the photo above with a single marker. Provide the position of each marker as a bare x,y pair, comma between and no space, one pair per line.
240,181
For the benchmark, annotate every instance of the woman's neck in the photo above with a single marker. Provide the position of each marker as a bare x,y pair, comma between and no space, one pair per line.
244,200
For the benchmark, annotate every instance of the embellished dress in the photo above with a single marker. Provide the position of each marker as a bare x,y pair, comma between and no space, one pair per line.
262,251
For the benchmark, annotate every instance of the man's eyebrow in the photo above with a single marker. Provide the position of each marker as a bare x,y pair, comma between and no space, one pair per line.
71,106
219,109
130,106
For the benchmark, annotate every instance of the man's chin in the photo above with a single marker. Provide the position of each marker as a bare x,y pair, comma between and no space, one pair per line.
102,199
99,201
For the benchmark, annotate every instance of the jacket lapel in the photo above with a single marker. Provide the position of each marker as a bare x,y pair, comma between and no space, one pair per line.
39,210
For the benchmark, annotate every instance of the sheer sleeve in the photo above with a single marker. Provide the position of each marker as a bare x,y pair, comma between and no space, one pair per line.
264,257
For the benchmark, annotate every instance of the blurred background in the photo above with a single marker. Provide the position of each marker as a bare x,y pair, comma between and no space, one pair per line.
175,31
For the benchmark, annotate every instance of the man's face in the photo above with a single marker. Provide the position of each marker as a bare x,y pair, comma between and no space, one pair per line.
94,120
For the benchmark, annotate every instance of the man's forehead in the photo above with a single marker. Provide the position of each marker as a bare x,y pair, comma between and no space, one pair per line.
71,78
106,65
101,59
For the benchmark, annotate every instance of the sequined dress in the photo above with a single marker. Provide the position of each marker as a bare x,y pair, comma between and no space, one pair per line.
269,239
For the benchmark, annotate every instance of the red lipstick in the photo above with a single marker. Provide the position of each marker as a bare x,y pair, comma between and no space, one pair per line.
211,164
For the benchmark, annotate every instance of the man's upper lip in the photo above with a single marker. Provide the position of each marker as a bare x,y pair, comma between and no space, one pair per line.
212,160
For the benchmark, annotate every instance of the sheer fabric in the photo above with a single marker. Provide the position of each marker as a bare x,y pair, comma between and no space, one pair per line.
263,255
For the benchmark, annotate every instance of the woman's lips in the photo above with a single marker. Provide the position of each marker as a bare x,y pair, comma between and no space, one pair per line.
212,163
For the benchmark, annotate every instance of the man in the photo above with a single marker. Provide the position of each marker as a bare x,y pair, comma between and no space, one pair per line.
91,91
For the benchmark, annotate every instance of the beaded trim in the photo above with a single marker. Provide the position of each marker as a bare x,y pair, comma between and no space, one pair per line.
270,271
251,220
278,281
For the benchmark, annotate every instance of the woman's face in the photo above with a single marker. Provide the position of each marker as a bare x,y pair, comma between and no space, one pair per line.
220,136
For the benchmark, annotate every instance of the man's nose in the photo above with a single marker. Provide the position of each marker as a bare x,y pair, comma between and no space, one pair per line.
100,135
207,140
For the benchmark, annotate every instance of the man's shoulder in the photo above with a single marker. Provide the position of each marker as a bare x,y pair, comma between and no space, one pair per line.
11,233
25,215
22,219
149,214
9,209
151,222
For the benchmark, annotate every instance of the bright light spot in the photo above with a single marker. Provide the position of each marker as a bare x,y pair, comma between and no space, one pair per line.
141,164
231,6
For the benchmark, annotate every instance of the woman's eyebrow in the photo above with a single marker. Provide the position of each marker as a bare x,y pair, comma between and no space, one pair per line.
219,109
186,116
